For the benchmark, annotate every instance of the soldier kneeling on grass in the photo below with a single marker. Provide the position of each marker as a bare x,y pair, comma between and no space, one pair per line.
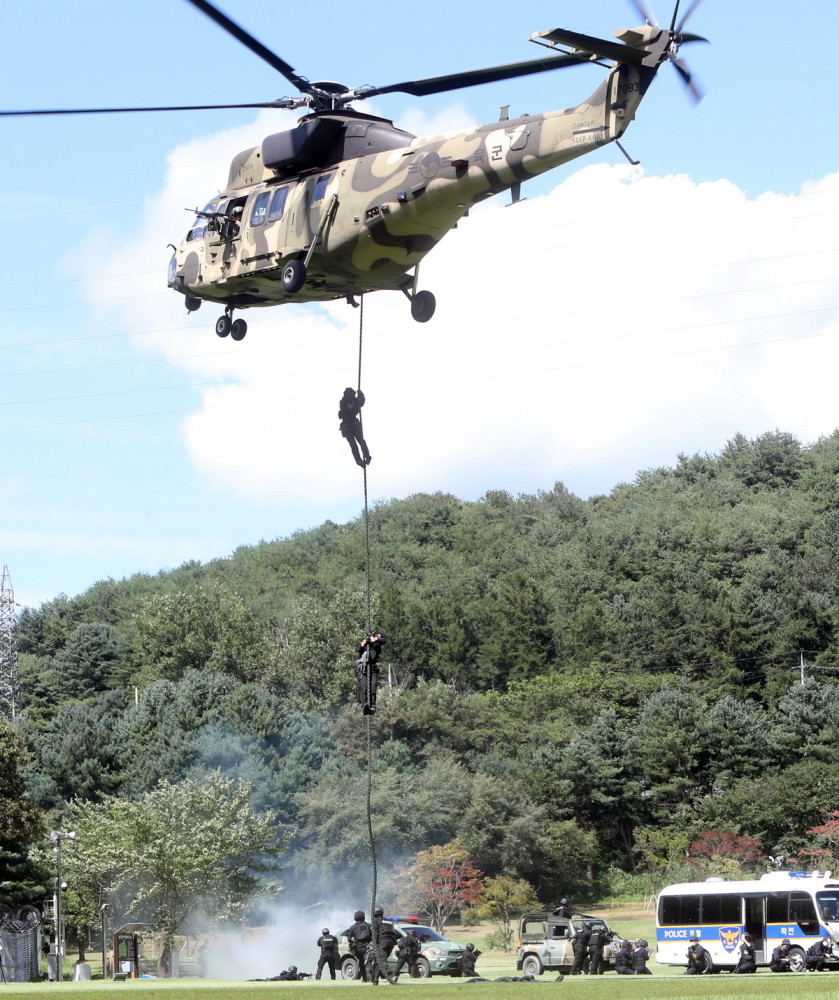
468,959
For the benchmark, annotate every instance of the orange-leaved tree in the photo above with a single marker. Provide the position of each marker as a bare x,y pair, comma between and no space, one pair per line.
440,881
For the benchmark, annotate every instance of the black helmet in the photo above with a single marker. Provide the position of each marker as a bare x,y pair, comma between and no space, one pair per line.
292,968
587,925
470,947
325,930
378,912
694,940
563,901
625,944
358,915
785,942
642,943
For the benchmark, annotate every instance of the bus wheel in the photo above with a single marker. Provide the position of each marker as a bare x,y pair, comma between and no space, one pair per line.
797,962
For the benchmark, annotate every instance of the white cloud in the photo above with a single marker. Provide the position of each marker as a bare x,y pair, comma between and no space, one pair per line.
580,335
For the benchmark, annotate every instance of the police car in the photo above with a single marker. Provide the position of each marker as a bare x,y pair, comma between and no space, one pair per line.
439,955
545,942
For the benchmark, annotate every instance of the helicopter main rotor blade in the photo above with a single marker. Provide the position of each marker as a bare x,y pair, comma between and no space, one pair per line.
239,33
120,111
455,81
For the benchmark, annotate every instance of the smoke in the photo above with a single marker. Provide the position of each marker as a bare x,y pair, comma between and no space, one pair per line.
288,937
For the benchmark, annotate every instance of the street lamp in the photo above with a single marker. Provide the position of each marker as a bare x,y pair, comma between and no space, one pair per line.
103,909
58,836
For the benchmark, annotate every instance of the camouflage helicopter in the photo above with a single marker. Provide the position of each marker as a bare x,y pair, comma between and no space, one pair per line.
347,203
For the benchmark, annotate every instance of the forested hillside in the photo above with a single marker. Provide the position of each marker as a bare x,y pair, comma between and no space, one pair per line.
578,688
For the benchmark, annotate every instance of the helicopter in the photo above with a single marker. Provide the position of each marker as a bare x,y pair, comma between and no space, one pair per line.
346,202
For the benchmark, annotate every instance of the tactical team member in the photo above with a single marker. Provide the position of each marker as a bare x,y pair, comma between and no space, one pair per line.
623,960
780,957
292,975
746,962
359,937
384,938
698,959
408,953
328,945
564,909
579,945
598,939
369,650
468,960
640,957
816,955
349,413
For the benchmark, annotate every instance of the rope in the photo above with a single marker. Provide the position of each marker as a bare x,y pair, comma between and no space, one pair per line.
381,962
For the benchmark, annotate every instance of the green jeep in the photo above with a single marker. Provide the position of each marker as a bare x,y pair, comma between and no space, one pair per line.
439,956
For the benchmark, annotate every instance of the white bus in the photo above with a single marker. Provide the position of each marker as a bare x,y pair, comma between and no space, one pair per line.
800,906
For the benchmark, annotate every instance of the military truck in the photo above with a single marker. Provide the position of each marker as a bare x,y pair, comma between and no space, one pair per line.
545,942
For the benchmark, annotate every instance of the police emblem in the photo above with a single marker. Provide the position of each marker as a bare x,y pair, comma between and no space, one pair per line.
729,936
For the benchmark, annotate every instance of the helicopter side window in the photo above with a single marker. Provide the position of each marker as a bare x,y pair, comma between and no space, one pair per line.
277,208
260,207
319,190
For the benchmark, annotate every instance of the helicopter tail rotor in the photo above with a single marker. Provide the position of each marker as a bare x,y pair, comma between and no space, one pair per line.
678,38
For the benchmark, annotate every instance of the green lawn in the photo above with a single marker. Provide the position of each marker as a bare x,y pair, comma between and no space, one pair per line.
761,986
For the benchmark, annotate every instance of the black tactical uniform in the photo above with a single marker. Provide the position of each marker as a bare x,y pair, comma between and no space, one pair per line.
816,955
640,957
367,670
384,938
349,410
328,945
468,959
780,957
697,959
623,960
563,910
359,937
746,962
579,944
408,952
595,951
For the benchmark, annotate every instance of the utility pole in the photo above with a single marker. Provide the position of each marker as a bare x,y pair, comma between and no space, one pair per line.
9,689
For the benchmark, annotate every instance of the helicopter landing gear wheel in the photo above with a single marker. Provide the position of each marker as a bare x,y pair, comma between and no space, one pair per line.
223,325
423,305
238,329
294,276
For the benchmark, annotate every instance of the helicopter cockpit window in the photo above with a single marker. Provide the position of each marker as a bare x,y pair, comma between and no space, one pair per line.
277,208
260,207
199,226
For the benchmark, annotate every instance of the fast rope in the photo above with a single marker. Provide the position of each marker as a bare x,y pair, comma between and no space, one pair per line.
377,952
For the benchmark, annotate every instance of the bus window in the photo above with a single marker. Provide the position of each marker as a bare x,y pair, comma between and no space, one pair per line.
260,206
722,909
277,208
777,908
829,905
802,910
677,910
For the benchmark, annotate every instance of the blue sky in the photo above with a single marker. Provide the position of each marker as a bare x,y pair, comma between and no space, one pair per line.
615,318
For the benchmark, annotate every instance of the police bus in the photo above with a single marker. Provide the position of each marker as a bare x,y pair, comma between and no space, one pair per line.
799,906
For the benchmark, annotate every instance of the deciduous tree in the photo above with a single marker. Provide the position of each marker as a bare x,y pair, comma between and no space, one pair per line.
440,881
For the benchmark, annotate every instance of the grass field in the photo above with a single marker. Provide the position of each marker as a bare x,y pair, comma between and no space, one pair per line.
630,922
